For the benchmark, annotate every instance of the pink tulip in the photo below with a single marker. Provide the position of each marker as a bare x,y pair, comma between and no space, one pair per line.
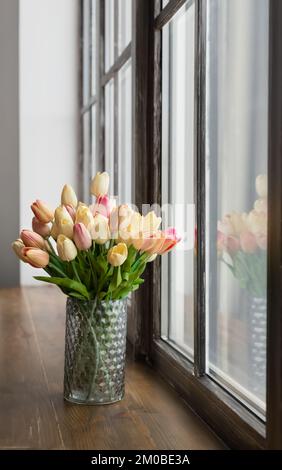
40,228
71,211
221,242
171,239
248,242
102,206
32,239
81,237
232,244
42,211
35,257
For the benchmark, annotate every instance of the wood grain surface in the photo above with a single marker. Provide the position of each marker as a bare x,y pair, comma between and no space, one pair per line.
33,414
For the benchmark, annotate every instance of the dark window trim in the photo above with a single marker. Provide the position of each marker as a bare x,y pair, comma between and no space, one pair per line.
236,425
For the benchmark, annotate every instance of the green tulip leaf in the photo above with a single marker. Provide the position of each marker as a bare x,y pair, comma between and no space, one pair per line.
65,283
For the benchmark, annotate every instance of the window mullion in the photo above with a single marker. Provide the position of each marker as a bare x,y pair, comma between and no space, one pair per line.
199,168
116,104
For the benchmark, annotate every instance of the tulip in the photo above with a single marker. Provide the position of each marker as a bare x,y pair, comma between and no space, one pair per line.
150,243
102,206
117,254
232,245
233,224
33,239
221,243
42,212
261,186
261,240
84,216
71,211
81,237
99,230
66,248
152,258
100,184
36,257
171,239
260,205
68,196
64,221
40,228
131,228
54,231
18,246
248,242
257,222
151,222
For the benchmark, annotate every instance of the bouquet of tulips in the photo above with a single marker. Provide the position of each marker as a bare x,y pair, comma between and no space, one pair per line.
242,243
93,252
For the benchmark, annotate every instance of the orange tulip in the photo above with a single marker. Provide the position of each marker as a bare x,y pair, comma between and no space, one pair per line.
36,257
42,211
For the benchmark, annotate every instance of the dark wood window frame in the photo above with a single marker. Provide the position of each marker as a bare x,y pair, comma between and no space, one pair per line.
236,424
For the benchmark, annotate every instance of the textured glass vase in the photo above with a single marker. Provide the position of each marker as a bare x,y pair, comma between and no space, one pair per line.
95,351
257,346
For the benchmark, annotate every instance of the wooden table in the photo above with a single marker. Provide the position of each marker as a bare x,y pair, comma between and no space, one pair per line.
33,414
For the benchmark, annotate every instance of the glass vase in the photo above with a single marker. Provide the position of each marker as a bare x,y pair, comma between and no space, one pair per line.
257,346
95,348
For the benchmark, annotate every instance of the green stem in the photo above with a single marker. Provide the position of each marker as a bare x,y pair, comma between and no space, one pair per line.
92,270
75,271
51,246
53,266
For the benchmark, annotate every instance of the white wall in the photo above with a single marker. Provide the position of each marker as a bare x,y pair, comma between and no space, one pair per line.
49,113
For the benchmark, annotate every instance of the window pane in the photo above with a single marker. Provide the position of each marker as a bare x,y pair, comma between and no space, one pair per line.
236,154
124,134
94,163
93,45
164,3
109,33
109,133
86,157
86,47
177,177
124,24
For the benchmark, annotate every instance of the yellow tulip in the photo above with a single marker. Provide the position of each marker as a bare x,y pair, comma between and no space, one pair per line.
151,222
99,230
84,216
261,185
66,248
64,221
100,184
68,196
118,254
18,246
54,231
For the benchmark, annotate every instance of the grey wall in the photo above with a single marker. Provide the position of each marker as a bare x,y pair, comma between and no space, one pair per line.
9,140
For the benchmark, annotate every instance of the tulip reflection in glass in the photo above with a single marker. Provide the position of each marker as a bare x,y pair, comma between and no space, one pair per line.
242,243
96,255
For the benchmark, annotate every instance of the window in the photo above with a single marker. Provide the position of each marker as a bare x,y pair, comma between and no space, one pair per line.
182,103
107,108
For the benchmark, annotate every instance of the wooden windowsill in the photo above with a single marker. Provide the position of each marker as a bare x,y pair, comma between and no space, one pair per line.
33,412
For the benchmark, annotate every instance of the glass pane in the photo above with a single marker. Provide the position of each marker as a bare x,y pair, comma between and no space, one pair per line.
109,33
94,163
94,47
124,134
164,3
86,155
86,51
109,133
177,177
124,24
236,155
